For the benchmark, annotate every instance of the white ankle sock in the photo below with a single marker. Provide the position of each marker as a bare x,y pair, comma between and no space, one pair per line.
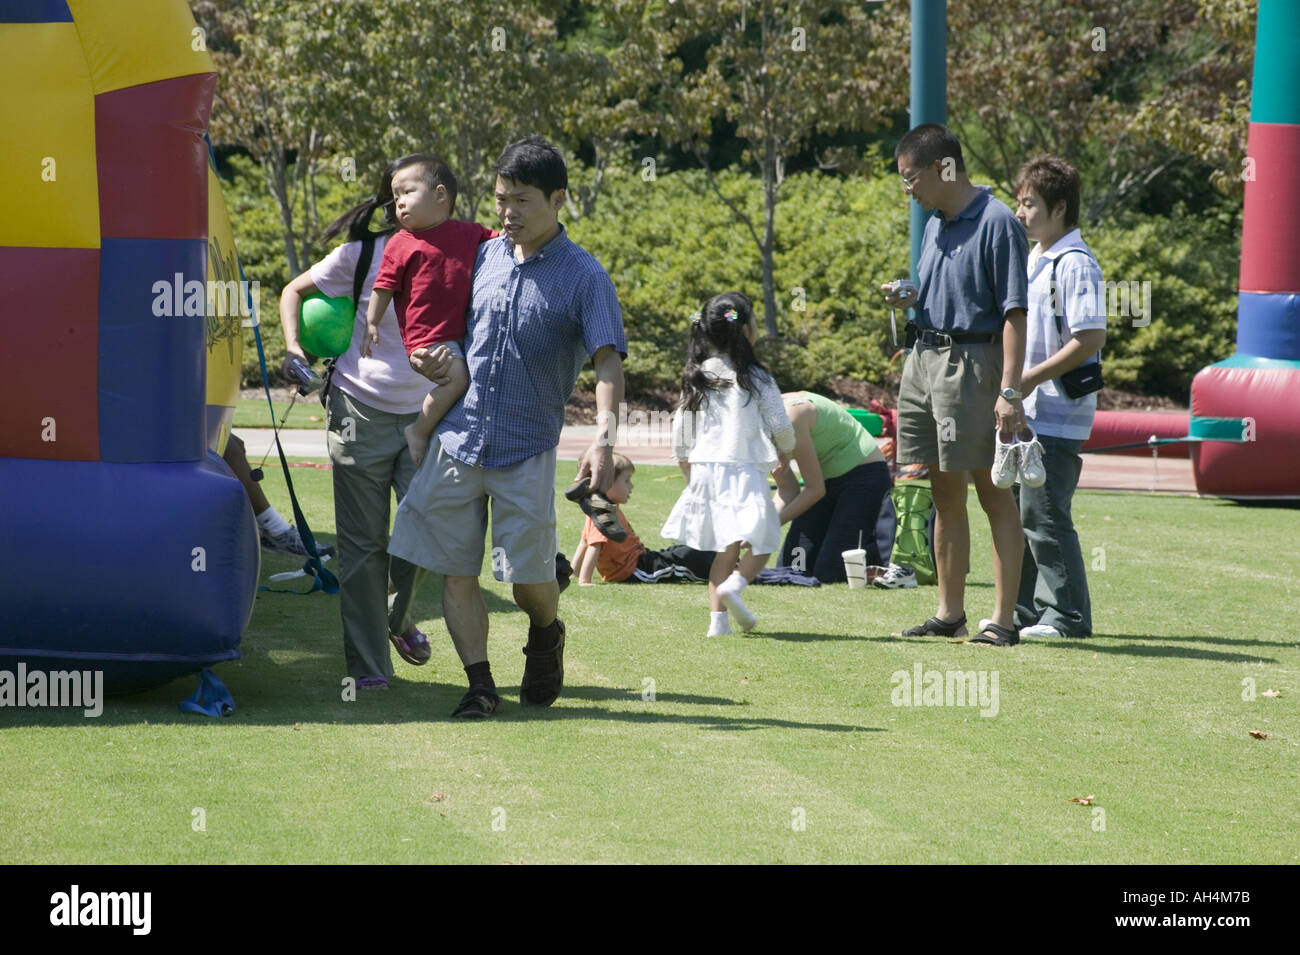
719,625
271,522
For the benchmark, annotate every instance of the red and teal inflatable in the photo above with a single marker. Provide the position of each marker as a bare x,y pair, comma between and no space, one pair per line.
1253,397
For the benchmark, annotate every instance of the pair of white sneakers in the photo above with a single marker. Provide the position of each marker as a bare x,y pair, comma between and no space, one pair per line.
1018,460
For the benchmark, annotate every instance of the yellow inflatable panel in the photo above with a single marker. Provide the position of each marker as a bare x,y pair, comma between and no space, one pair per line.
225,340
133,42
47,139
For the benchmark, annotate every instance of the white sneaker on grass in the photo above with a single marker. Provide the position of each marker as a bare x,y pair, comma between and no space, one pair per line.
1041,630
897,577
1006,461
729,590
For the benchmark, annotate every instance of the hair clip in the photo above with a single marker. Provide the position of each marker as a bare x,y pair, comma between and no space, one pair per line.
695,318
730,315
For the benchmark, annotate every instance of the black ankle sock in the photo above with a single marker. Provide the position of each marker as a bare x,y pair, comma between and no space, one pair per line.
480,674
544,638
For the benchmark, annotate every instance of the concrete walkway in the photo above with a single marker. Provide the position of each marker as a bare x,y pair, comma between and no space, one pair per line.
1101,472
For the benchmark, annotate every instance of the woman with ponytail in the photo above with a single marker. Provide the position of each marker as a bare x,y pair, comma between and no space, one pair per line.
371,401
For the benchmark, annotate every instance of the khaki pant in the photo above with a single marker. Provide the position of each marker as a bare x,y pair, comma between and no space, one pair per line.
371,463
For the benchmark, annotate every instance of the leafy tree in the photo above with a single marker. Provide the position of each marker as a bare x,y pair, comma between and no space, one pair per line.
774,71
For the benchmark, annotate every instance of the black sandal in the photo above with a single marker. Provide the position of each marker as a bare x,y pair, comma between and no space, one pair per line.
478,701
602,511
934,627
1002,636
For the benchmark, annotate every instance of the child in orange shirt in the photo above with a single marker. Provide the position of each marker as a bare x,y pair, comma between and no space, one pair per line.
629,561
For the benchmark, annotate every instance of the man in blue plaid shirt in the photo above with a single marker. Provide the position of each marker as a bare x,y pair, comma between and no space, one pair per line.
540,307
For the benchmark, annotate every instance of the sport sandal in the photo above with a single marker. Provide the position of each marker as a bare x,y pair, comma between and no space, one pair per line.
602,511
934,627
478,701
1002,636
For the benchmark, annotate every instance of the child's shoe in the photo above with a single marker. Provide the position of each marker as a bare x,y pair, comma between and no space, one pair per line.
719,626
1032,472
729,590
1006,461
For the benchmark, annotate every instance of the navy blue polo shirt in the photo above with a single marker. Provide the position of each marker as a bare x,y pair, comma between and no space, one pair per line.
973,268
530,328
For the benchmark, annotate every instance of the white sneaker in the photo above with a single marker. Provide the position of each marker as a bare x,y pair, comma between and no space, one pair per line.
1032,472
1006,461
729,590
1041,630
896,577
719,625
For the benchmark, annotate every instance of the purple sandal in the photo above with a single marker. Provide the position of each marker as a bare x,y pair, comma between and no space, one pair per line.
412,647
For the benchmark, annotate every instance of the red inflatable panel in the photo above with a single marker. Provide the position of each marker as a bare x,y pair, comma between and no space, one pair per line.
153,172
1270,254
1268,466
48,363
1125,427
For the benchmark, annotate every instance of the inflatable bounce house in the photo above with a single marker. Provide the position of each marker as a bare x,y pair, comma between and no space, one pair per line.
1259,386
126,544
1244,433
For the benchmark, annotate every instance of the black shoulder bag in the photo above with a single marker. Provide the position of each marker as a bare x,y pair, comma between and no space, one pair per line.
358,279
1085,379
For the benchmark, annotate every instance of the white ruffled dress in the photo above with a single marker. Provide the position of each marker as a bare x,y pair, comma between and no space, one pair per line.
731,444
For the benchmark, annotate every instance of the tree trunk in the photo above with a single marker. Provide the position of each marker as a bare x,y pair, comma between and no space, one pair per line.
769,244
274,166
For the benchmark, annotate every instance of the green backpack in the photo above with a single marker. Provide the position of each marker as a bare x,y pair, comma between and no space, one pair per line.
912,548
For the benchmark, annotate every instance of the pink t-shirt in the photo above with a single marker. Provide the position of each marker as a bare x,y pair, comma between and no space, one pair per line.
385,379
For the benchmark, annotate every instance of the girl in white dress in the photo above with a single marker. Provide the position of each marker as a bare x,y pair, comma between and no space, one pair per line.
729,431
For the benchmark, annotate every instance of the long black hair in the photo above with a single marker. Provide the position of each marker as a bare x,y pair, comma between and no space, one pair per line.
356,221
719,331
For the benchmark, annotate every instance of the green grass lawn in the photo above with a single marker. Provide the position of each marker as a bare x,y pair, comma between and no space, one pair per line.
778,746
304,413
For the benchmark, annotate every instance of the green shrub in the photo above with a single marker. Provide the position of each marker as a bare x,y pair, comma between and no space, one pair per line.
670,243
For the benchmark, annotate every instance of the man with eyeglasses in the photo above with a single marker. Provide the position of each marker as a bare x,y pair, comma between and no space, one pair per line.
961,382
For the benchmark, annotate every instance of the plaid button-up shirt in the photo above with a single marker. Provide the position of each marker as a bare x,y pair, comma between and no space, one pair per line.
530,329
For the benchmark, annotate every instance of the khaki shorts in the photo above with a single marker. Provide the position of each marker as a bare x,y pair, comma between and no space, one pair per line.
946,406
442,521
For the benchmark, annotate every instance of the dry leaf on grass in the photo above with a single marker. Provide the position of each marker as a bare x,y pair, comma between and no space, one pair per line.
1084,800
1258,734
1271,693
437,797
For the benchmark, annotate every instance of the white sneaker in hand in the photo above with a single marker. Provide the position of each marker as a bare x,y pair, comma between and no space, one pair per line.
1006,461
1032,472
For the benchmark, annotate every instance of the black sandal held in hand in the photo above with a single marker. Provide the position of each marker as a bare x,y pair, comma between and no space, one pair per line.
602,511
934,627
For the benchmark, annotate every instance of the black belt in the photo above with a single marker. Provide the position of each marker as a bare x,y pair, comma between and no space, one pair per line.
944,339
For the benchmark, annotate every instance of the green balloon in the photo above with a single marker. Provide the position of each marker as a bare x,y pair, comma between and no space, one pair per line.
325,325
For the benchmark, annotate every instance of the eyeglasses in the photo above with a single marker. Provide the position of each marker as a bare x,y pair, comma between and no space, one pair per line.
910,181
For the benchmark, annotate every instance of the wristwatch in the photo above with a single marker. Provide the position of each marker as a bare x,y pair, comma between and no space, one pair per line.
1010,394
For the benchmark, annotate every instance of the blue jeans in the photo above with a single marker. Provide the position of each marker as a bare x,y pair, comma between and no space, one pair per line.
834,524
1053,582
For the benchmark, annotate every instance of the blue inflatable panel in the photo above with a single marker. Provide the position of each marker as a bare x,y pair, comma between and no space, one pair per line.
152,367
34,11
1268,324
147,563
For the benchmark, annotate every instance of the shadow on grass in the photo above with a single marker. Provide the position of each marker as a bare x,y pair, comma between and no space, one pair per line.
804,637
1100,643
260,703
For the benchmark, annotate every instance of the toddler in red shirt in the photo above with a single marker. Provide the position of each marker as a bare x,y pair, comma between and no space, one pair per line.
427,272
